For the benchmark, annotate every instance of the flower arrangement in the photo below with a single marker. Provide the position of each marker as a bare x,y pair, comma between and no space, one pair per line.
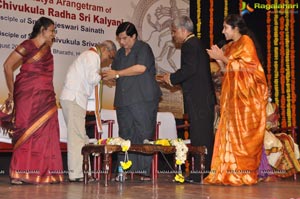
125,145
181,151
181,154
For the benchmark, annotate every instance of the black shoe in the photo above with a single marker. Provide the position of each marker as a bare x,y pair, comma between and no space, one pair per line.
187,180
193,178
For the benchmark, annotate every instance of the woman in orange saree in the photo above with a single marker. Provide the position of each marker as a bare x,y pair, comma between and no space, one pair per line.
240,134
36,156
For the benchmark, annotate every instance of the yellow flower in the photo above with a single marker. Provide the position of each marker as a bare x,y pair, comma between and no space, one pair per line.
125,148
100,141
126,165
179,178
125,145
108,140
179,162
163,142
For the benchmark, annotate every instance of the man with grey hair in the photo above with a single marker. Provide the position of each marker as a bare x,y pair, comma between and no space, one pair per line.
82,76
194,76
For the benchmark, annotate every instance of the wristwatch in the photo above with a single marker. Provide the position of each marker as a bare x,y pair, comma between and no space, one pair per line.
117,76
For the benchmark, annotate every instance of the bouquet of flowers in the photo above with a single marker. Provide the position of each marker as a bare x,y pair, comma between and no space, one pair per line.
125,145
180,155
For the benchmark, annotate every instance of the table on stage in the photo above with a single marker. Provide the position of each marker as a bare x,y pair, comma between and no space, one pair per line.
107,150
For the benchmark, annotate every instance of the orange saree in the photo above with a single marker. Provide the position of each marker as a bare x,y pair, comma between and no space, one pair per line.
240,134
36,157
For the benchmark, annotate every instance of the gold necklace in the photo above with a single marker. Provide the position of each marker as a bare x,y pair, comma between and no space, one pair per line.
188,37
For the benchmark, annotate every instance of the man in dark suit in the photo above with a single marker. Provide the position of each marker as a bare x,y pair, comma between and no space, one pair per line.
194,76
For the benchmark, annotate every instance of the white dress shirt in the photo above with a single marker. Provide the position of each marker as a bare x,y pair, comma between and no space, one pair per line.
81,78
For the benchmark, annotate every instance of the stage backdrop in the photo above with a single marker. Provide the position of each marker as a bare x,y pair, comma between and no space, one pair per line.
80,24
276,26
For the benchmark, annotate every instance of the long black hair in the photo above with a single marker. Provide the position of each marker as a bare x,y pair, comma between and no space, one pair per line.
41,22
235,20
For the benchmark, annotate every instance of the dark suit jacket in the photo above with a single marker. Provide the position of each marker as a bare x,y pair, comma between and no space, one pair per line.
195,76
198,94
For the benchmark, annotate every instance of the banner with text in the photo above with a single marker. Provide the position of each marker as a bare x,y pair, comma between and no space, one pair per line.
81,24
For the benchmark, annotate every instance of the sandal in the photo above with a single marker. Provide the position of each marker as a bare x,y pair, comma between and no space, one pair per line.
16,182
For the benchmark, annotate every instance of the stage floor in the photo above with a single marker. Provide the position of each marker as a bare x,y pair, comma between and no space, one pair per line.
163,188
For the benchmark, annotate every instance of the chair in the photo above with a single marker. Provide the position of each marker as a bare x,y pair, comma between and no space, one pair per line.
199,150
165,123
185,126
165,129
109,129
